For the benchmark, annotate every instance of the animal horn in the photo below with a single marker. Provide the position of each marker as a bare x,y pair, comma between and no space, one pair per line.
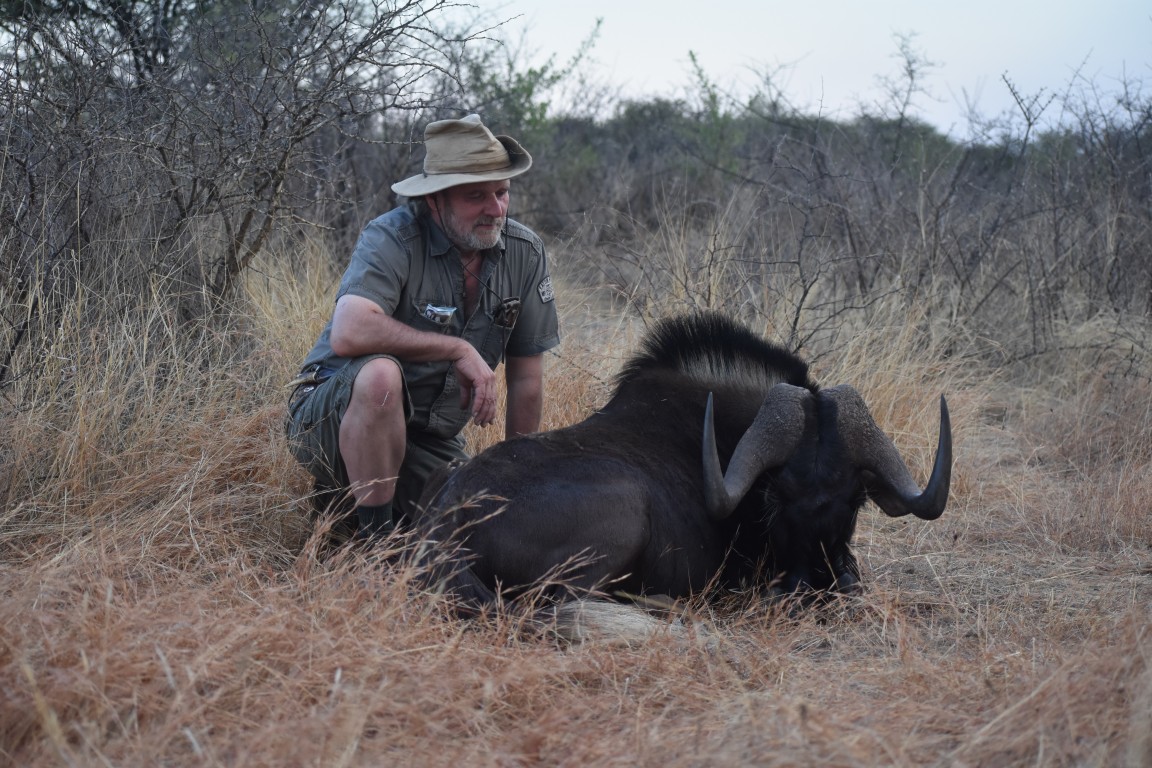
767,443
887,478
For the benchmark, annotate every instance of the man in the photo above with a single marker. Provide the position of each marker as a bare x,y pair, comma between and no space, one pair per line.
437,294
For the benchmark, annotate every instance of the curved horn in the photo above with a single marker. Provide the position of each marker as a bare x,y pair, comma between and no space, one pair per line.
767,443
891,485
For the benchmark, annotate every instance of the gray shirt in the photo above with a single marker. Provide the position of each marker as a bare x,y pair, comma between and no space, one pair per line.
406,264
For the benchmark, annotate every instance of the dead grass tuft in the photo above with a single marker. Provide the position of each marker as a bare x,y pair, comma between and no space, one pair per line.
167,600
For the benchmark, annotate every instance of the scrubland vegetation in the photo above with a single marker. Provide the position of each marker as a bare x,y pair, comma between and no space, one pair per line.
176,212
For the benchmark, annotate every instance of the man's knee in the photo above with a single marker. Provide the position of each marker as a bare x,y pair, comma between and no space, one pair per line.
379,387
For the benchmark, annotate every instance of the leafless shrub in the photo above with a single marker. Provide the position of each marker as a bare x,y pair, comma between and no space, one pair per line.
136,170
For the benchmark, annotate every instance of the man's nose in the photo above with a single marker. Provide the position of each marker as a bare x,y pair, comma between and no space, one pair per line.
495,206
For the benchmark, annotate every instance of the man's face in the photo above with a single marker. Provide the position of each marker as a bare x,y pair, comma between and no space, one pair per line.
472,215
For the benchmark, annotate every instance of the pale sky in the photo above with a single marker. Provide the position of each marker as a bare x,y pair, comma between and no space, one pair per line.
830,53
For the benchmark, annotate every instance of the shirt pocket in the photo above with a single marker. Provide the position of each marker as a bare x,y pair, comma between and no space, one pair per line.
493,341
434,316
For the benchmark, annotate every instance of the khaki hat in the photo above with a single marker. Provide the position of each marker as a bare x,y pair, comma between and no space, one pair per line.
463,152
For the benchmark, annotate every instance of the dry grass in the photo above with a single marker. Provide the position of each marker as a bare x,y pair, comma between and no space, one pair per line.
163,601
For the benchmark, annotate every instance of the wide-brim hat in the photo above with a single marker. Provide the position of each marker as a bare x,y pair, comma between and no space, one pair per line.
464,151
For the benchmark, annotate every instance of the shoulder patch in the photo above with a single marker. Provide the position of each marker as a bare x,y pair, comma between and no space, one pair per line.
545,290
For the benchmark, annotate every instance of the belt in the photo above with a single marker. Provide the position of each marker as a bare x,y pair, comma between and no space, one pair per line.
313,374
310,377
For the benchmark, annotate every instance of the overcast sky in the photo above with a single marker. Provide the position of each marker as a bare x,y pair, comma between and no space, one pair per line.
829,54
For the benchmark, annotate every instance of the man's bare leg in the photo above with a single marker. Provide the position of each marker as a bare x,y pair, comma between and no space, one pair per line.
372,441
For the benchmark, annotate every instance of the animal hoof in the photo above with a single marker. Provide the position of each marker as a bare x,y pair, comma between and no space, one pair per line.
848,584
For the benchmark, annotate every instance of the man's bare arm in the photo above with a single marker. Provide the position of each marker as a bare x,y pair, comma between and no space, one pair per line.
360,327
524,377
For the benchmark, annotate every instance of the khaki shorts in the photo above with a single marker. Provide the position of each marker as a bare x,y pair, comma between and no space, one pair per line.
313,429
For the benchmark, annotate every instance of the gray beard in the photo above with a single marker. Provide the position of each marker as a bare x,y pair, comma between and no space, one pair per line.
474,242
469,240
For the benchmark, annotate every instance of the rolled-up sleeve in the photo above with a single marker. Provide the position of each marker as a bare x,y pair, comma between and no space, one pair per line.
378,269
538,328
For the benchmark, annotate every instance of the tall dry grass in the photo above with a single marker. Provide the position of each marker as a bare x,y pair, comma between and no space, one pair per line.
165,602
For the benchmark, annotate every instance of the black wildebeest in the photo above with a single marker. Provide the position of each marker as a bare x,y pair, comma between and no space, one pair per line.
635,499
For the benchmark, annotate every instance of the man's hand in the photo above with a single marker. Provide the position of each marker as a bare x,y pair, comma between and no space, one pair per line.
360,327
477,384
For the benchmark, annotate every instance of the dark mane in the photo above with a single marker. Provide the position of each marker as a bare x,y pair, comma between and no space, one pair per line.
709,346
